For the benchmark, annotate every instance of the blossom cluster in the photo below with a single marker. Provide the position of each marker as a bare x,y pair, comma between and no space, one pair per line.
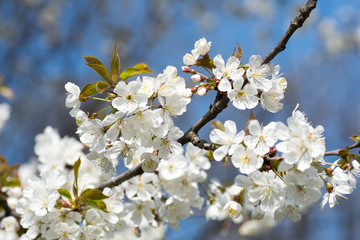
281,167
270,184
141,203
244,85
136,128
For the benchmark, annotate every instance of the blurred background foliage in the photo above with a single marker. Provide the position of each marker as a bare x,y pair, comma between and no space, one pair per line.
42,43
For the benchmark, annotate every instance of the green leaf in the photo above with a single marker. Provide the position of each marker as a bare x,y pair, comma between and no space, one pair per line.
65,193
94,194
76,175
6,173
76,170
238,53
14,182
206,62
99,204
115,66
98,67
355,138
135,70
3,164
85,191
75,191
93,88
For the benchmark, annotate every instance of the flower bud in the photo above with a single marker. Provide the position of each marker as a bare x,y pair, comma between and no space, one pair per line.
201,91
186,69
197,78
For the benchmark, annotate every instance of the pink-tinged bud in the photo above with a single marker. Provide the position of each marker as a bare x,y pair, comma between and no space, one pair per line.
194,89
272,152
186,69
64,204
201,91
197,78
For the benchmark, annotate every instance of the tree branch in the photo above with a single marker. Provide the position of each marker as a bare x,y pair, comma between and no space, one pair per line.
137,170
220,103
298,21
200,143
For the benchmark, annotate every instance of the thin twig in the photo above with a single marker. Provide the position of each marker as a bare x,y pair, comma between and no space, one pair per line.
329,153
298,21
336,152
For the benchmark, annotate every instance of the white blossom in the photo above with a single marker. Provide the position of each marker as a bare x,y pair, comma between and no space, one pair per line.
264,188
243,98
246,160
197,156
227,139
172,168
333,194
260,138
226,72
203,46
174,210
4,114
129,98
270,100
143,186
302,143
191,59
257,74
140,212
72,98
